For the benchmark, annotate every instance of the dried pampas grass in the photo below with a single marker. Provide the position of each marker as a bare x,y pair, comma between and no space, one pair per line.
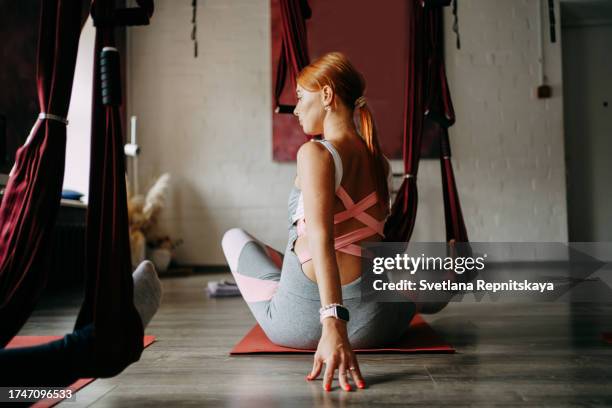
155,200
143,214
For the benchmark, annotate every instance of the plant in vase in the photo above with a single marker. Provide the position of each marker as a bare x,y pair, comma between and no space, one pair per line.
143,216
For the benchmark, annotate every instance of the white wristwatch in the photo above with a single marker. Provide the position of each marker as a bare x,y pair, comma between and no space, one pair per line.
334,310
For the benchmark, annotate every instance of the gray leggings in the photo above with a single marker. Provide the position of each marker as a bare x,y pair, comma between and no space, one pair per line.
285,302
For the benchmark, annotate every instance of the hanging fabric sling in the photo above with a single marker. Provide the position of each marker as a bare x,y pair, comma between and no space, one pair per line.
109,287
427,97
400,223
439,109
29,209
32,195
294,47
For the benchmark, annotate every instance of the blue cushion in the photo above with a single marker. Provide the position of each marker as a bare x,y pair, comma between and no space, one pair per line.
71,195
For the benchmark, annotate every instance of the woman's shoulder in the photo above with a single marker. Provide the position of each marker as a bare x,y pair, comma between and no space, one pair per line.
311,152
313,158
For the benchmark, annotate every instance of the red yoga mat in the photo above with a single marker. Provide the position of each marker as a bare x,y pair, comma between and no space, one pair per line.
607,337
27,341
421,338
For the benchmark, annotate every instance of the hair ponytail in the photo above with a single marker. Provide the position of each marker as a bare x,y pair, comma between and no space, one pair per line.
378,162
335,70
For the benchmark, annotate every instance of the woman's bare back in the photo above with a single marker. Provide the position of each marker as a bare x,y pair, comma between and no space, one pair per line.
358,181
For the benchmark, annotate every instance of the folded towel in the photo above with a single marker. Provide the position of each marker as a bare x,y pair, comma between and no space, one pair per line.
222,288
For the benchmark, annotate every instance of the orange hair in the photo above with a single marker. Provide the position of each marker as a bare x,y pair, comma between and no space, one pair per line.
336,71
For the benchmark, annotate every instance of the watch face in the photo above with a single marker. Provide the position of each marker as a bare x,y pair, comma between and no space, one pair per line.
342,313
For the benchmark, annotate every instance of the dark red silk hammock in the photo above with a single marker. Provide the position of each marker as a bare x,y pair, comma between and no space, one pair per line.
400,223
294,47
427,99
439,109
453,217
32,195
30,206
109,287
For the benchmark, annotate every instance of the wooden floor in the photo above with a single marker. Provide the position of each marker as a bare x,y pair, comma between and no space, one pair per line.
528,355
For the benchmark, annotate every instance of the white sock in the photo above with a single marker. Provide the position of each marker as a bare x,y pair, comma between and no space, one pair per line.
147,291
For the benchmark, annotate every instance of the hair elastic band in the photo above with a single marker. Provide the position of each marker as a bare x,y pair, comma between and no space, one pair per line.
43,116
360,102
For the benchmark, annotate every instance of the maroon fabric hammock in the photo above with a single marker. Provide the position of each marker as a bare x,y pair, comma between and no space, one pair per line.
400,223
453,217
439,109
109,287
427,98
32,195
29,209
294,47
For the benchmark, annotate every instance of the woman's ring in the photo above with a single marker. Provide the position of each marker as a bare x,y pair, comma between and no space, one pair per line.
352,368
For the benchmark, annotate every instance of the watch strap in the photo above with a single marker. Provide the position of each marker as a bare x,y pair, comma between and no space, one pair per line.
336,311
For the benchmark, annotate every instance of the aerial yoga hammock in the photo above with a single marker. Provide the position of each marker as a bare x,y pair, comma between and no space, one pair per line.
294,47
427,98
108,335
428,102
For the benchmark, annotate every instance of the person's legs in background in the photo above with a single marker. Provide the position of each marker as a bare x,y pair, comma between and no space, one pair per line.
61,362
147,291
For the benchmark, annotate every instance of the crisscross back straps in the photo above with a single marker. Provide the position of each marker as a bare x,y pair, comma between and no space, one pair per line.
346,243
358,210
343,243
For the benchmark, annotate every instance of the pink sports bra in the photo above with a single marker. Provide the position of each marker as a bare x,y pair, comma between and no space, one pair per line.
346,243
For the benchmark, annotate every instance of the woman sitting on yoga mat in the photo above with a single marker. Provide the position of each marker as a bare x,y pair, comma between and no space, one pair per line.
340,199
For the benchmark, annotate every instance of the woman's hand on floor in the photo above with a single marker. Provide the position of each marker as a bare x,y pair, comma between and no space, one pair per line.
335,351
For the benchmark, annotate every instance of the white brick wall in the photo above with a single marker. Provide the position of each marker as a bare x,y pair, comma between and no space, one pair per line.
207,121
507,145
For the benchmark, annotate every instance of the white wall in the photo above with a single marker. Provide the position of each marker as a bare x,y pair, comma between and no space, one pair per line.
207,121
76,170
